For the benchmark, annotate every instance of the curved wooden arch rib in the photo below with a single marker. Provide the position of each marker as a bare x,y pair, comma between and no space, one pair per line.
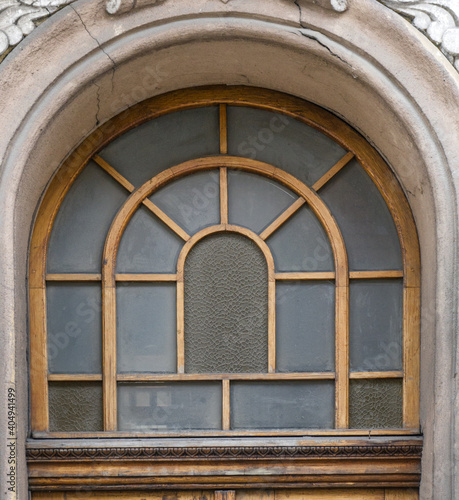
321,211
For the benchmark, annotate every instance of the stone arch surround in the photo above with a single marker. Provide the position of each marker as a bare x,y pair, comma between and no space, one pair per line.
366,64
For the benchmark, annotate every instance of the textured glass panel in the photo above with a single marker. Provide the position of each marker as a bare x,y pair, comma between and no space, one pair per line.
193,202
301,244
148,246
282,405
305,326
365,221
169,406
78,236
375,404
146,327
255,201
74,328
282,141
375,325
143,152
75,407
226,306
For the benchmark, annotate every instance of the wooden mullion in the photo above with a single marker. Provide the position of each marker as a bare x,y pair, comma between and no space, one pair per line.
73,277
271,323
373,375
177,377
226,410
146,277
283,217
306,276
109,355
223,195
180,326
375,274
74,377
223,129
333,171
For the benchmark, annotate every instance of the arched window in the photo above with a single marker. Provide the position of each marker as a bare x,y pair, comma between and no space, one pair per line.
224,262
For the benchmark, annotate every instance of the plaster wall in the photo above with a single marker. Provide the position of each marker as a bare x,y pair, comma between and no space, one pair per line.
367,65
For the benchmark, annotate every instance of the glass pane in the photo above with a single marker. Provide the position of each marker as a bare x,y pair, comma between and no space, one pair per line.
193,202
255,201
148,246
150,148
301,244
375,404
305,326
74,328
169,406
365,221
282,405
281,141
146,327
81,226
226,306
375,325
75,407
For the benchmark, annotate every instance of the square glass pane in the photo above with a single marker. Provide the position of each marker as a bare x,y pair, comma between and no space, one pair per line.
169,406
74,328
146,321
255,201
375,404
75,407
281,141
375,325
305,326
150,148
282,405
193,201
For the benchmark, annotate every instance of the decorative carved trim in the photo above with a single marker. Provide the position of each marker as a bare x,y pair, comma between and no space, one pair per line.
236,453
437,19
17,18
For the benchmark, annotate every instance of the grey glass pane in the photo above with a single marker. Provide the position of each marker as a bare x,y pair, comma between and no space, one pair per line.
365,221
75,407
74,328
148,246
226,306
147,150
375,325
282,405
282,141
255,201
301,244
305,326
169,406
78,236
193,202
375,404
146,327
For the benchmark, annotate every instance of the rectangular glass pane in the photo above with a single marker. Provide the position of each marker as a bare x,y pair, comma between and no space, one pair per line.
375,404
74,328
146,321
169,406
305,326
375,325
75,407
282,405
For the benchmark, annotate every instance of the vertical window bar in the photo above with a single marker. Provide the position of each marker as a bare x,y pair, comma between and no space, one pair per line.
226,425
224,195
223,130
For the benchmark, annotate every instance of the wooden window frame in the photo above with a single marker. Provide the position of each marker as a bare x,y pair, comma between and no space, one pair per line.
357,148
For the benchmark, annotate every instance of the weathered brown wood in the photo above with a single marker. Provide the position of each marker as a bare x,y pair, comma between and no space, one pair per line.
333,171
146,277
305,276
223,130
226,410
365,375
398,494
137,377
283,217
225,495
340,494
180,325
271,322
342,357
223,195
124,495
375,274
73,277
74,377
109,353
255,495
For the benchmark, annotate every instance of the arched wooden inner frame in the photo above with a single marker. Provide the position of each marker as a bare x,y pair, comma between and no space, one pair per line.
316,117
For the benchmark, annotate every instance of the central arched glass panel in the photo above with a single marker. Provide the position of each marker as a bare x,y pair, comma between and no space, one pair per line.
226,306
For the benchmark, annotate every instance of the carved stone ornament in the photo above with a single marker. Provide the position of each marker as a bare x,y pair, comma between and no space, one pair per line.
437,19
17,18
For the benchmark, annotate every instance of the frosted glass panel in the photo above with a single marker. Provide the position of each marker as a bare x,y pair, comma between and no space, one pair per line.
226,306
301,244
75,407
192,201
281,141
255,201
375,404
78,236
305,326
375,325
74,328
143,152
146,327
365,221
282,405
171,406
148,246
